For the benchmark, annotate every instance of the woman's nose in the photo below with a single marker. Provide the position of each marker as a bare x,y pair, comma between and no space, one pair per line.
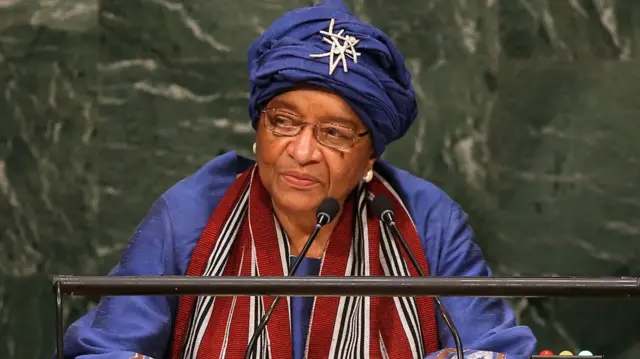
304,145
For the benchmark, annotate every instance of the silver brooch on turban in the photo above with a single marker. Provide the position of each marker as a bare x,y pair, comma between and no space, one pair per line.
342,47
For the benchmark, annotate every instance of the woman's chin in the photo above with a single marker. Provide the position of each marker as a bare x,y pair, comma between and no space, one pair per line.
298,202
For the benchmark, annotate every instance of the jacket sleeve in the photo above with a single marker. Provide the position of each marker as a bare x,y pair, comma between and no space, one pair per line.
124,327
484,324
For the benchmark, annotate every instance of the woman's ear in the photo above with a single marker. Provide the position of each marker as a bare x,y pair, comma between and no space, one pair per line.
372,159
371,162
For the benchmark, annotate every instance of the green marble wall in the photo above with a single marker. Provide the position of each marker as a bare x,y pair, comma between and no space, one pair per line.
529,118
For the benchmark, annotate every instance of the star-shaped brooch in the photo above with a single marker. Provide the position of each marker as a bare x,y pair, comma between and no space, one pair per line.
341,48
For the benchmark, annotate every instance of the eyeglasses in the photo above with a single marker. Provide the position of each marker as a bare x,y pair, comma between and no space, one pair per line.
337,136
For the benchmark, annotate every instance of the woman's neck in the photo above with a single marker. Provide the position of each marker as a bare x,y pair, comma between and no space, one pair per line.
299,226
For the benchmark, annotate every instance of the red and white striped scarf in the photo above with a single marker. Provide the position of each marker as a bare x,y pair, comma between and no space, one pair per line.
243,238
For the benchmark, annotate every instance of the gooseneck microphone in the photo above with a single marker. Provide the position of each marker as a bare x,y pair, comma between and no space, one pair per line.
325,213
383,208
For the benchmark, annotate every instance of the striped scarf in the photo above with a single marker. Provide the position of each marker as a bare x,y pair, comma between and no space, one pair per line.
243,238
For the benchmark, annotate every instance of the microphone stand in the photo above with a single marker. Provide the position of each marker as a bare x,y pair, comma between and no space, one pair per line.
323,218
387,219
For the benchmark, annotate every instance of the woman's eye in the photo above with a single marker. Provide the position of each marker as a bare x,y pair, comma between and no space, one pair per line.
283,121
336,132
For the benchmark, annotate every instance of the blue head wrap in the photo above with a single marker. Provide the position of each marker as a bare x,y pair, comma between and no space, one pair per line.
378,87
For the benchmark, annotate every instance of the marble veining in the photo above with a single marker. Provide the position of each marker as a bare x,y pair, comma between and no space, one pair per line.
528,118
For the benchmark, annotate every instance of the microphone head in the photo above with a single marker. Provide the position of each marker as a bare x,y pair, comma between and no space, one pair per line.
381,204
329,208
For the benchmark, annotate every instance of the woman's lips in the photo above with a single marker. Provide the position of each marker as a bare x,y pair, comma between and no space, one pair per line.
299,179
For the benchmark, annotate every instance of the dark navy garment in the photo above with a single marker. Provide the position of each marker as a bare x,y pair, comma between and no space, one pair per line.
301,308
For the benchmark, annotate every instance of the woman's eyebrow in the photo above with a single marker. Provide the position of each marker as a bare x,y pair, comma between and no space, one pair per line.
342,120
284,104
335,118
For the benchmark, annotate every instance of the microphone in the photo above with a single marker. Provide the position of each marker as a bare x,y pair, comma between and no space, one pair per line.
383,208
325,213
327,210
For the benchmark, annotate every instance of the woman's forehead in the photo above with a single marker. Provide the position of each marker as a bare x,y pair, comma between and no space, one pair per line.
319,103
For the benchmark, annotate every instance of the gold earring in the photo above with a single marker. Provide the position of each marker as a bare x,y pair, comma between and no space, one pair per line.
254,148
369,176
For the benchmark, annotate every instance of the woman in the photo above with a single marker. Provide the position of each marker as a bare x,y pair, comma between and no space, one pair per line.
328,93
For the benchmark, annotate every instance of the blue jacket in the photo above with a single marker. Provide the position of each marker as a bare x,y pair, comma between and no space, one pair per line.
120,327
